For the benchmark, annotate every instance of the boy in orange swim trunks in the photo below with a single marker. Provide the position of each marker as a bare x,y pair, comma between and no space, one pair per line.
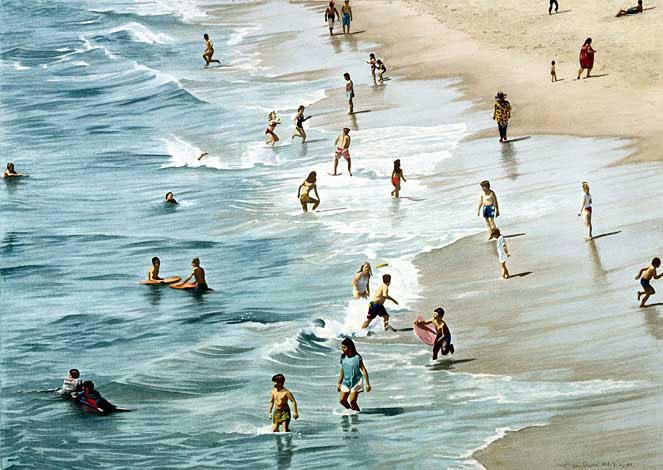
343,150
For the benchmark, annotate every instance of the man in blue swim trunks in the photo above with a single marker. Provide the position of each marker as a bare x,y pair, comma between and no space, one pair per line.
491,208
346,16
376,307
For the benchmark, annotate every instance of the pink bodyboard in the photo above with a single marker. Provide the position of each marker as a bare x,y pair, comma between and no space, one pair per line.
426,333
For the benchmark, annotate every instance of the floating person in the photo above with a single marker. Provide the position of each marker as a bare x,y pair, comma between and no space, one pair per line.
304,190
586,58
586,209
381,70
10,172
72,384
491,208
153,272
553,73
331,13
343,150
376,306
88,396
279,410
299,124
273,122
502,251
209,51
199,274
553,2
502,114
360,283
443,338
646,275
170,198
349,92
372,63
352,376
346,16
396,177
631,11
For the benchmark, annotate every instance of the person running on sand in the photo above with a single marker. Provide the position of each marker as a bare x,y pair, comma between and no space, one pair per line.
551,5
343,150
502,251
10,172
209,51
273,122
381,71
360,283
278,405
586,209
331,13
491,208
199,274
299,124
396,177
346,15
646,275
631,11
170,198
352,376
349,92
153,272
304,190
502,114
372,63
586,58
443,338
376,306
553,73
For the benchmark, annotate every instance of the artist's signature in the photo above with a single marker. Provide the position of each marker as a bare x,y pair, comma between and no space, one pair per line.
595,464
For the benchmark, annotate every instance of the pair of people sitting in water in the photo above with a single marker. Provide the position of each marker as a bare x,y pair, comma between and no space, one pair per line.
198,273
84,394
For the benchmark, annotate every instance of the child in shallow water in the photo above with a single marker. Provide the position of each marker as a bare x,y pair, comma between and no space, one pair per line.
443,338
72,383
381,70
274,121
279,410
352,376
396,177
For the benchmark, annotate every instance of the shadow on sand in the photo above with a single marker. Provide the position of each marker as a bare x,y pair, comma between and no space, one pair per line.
606,234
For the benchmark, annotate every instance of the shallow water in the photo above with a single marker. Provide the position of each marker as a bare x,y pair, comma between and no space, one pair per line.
107,106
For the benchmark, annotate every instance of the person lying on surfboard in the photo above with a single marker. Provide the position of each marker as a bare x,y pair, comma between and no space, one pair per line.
199,274
443,338
92,398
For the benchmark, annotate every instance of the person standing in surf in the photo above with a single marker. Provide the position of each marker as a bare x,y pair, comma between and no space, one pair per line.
349,92
360,283
343,150
586,209
352,376
491,209
371,61
443,338
396,177
299,124
279,410
502,114
199,274
376,306
209,51
586,58
382,69
304,190
331,13
273,121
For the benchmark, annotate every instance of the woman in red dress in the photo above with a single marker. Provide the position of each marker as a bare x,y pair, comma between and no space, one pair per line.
586,58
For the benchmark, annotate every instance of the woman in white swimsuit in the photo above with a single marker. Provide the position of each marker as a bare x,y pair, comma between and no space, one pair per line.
360,283
586,209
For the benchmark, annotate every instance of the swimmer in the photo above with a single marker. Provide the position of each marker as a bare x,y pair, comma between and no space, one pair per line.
349,92
304,190
170,198
443,338
491,209
331,13
153,272
343,150
396,177
371,62
381,70
199,274
346,16
273,122
279,404
209,51
360,283
586,209
10,172
352,376
376,307
299,124
90,397
646,275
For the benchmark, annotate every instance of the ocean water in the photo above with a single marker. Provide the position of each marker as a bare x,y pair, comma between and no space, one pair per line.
106,105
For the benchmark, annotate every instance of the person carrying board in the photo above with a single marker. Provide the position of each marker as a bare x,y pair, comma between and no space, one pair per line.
443,338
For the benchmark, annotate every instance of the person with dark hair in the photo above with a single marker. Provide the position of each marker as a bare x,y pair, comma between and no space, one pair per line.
72,384
586,58
396,177
502,251
631,11
153,272
376,306
443,338
331,13
646,275
303,192
279,410
88,396
343,150
502,114
382,69
373,64
349,92
346,16
491,209
11,172
209,51
199,274
551,6
299,124
170,197
352,376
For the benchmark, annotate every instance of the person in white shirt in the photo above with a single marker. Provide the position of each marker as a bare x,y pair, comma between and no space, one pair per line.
586,209
502,251
72,383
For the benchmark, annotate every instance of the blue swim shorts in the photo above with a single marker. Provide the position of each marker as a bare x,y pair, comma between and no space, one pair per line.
489,212
346,19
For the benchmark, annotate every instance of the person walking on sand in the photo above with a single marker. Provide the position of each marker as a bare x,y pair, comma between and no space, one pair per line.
396,177
586,209
304,190
360,283
299,124
646,275
346,16
352,376
443,338
553,2
349,92
343,150
502,114
586,58
491,208
502,251
209,51
376,306
273,122
331,13
279,410
553,73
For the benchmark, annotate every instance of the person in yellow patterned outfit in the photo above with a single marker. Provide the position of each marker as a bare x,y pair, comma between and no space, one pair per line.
502,114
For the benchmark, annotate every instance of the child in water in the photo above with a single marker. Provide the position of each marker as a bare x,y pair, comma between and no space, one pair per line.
199,274
381,70
279,410
443,338
170,198
11,172
304,190
553,74
209,51
72,383
491,209
371,62
502,251
396,177
273,122
299,124
352,376
646,275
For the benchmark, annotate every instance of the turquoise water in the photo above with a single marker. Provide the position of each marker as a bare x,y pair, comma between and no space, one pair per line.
106,105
